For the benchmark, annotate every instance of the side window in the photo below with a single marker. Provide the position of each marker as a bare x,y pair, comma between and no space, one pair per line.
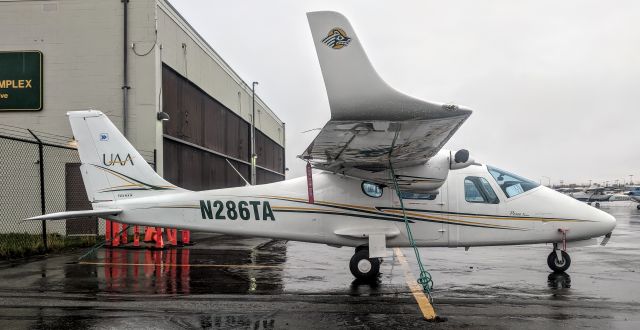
410,195
472,192
371,189
478,190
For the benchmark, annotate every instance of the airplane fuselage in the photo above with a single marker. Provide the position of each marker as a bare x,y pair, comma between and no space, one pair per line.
343,215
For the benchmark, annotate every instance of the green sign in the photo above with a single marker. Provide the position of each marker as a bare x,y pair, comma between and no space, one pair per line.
21,80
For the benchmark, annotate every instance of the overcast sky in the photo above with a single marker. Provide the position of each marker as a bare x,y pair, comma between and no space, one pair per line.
554,85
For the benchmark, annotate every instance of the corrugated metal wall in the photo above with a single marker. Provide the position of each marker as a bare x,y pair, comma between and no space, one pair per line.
202,133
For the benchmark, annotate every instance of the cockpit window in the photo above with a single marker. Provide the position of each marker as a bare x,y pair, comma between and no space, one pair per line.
511,184
478,190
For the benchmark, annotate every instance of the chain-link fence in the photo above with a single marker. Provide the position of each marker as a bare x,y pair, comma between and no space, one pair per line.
40,173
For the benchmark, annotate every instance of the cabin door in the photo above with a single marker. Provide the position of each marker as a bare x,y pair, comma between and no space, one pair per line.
427,211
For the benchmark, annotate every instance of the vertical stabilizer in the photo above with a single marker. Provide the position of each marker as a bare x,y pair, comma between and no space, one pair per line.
111,168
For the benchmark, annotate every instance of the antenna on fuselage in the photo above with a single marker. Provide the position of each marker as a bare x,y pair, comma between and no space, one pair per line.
240,175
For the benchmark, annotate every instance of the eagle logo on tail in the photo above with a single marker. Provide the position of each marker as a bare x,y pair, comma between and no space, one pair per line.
336,39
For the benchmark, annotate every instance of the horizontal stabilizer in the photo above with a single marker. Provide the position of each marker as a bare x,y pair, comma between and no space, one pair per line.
75,214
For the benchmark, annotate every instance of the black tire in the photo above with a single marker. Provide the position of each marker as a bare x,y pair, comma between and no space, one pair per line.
638,207
361,247
364,268
597,205
552,261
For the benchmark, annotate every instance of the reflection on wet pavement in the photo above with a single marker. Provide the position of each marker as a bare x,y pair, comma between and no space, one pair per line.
559,280
179,271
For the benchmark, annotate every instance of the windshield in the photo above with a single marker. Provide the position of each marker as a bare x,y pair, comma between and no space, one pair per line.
511,184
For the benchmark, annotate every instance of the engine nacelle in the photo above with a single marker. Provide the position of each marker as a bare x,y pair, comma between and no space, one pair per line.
428,178
460,160
425,178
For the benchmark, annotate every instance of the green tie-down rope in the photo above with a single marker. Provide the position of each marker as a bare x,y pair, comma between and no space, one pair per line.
425,277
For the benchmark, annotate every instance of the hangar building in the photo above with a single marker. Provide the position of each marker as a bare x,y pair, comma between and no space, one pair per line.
135,60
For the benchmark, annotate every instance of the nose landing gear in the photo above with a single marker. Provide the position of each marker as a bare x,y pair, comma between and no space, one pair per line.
559,260
363,267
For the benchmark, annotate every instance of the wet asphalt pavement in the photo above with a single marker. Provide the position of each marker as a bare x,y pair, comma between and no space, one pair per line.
229,282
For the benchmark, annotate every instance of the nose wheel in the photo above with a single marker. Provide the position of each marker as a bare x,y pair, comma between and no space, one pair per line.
559,261
362,267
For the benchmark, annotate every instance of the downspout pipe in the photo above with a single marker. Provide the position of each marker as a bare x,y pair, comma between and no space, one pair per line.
254,157
125,72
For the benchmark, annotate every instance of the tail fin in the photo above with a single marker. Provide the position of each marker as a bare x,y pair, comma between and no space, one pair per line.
111,168
354,88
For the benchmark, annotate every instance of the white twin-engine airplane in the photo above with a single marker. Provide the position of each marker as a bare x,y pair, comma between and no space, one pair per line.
449,200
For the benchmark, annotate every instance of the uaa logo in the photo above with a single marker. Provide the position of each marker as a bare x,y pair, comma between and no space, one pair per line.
336,38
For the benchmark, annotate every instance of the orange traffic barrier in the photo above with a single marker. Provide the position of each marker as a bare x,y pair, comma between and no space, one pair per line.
186,235
148,234
136,236
159,241
115,229
174,236
124,237
107,232
169,233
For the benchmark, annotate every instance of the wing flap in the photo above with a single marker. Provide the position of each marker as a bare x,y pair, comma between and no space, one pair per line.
368,145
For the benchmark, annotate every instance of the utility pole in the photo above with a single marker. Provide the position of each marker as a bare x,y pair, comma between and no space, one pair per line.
254,157
630,179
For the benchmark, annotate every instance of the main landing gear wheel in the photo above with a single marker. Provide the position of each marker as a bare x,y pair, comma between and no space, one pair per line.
557,265
363,267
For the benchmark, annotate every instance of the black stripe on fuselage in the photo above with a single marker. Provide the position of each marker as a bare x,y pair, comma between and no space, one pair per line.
381,208
276,209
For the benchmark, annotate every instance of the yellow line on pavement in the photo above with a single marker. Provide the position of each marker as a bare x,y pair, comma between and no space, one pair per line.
423,302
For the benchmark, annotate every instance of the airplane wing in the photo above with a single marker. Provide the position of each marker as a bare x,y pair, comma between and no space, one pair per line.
371,123
75,214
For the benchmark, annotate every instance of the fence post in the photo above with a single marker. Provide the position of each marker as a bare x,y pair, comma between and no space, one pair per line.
42,200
